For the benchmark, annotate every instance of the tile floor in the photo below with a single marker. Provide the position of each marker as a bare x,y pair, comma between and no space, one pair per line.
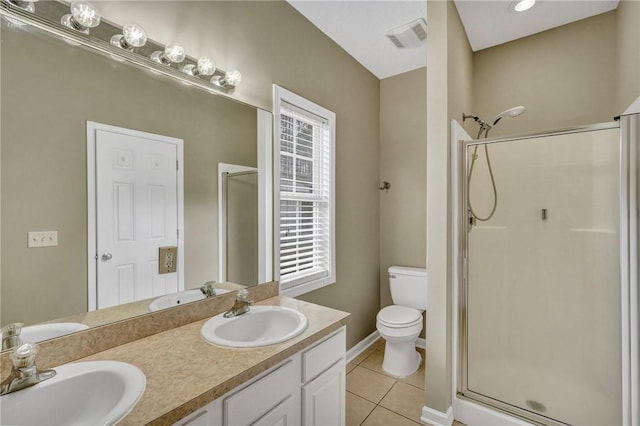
375,398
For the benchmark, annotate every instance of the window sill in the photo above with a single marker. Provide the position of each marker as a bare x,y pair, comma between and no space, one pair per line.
306,287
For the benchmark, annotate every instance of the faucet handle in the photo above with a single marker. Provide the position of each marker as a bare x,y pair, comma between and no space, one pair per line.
11,335
24,356
12,330
243,296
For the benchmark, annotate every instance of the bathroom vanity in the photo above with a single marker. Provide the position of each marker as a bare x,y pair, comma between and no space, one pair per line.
307,388
191,382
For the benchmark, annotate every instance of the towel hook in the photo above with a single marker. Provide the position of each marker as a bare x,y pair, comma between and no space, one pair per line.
385,186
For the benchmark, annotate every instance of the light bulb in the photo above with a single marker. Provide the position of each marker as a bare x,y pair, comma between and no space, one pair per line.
82,17
524,5
230,79
205,66
132,36
233,78
173,52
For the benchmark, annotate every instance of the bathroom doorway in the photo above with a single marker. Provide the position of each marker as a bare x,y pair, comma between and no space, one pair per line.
135,193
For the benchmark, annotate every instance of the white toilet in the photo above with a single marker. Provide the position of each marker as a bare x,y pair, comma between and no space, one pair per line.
400,324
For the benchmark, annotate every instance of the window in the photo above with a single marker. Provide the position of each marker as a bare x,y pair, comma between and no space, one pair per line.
305,238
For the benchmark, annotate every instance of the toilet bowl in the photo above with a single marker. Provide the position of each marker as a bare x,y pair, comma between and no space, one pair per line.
401,324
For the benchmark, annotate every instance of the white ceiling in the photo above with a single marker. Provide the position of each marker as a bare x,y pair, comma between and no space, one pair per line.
489,23
359,26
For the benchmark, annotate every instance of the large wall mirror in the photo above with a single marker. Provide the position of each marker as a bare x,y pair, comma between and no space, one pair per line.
51,90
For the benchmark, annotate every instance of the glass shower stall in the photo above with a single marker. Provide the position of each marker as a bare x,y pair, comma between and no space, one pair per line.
547,291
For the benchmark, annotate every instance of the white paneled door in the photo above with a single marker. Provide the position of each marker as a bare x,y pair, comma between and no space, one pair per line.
138,209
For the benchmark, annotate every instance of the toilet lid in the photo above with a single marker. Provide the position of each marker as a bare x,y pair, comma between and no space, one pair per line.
398,315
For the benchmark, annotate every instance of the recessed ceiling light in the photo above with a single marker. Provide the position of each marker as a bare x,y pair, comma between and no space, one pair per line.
522,5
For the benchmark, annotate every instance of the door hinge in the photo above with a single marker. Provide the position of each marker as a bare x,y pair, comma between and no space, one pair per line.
177,165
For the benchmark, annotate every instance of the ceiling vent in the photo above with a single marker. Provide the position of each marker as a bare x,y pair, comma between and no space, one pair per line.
409,35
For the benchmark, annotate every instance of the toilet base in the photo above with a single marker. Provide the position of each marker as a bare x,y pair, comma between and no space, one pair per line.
401,358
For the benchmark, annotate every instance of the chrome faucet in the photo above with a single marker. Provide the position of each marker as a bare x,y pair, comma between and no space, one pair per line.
24,372
208,289
241,305
11,335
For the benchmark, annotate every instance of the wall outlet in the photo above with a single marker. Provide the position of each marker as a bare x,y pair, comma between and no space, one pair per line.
167,259
42,239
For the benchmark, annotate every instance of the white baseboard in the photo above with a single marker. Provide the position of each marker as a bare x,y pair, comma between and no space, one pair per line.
362,346
437,418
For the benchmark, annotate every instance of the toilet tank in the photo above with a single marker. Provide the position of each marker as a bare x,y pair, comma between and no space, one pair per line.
408,286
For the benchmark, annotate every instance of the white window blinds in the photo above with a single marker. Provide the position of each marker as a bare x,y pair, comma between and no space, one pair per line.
305,197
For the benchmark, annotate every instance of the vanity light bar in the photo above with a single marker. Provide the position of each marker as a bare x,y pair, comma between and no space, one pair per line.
47,17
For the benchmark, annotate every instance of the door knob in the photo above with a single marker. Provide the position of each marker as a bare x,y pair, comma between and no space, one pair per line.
106,257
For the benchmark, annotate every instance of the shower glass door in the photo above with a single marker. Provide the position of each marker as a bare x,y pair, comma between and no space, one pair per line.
541,309
240,210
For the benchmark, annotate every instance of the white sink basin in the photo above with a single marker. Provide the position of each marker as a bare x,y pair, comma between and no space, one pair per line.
261,326
80,394
40,332
180,298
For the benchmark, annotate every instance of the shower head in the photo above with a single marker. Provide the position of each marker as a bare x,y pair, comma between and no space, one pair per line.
511,112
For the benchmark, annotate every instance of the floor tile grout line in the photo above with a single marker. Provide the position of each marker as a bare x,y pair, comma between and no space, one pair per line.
390,409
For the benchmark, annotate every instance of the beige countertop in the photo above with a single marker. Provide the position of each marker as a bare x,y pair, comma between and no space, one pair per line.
184,372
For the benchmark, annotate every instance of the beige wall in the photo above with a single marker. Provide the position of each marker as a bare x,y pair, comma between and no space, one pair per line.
270,42
403,132
565,77
44,164
449,85
628,54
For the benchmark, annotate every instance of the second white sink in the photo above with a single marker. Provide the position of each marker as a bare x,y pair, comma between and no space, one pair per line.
80,394
180,298
261,326
40,332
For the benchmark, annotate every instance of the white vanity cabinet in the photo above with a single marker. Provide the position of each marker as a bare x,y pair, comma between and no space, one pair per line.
307,389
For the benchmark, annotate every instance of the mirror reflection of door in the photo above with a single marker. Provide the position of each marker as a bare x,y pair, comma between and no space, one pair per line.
138,205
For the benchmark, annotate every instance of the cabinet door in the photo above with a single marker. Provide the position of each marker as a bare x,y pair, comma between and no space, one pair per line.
323,399
252,403
284,414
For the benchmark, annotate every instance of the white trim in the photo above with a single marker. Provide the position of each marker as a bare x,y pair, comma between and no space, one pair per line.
224,168
281,95
438,418
92,255
630,178
362,346
265,196
457,133
478,415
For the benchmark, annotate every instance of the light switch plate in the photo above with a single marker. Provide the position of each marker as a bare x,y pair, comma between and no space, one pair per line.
167,259
42,239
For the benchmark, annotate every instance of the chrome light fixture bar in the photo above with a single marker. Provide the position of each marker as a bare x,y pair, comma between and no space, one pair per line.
103,40
23,4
